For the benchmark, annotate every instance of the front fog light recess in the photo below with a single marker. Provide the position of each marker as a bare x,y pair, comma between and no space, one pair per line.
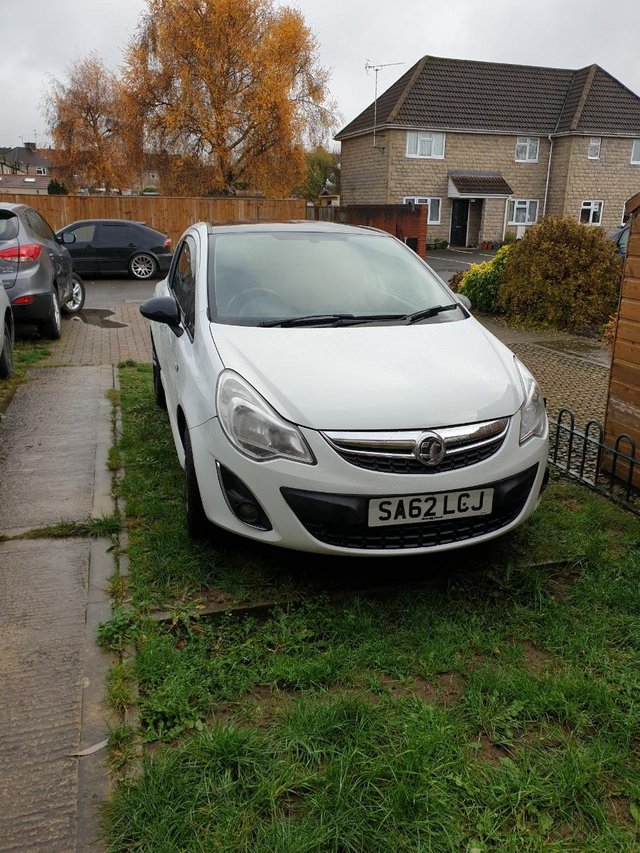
254,427
533,416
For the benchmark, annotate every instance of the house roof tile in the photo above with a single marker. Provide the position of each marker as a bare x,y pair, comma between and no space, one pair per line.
456,94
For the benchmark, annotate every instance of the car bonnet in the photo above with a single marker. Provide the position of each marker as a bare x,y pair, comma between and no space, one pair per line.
376,377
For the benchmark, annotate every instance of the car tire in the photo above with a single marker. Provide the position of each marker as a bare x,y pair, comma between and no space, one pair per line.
198,525
52,326
143,266
6,356
158,389
75,302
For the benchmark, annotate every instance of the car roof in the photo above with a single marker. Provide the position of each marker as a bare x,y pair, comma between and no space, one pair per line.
302,226
12,206
108,221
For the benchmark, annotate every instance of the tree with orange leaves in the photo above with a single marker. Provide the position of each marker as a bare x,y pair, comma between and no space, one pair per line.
84,119
225,93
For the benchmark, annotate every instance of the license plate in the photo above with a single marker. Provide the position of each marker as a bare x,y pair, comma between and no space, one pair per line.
413,509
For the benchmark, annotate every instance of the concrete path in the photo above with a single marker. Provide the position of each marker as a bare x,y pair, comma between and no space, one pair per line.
53,450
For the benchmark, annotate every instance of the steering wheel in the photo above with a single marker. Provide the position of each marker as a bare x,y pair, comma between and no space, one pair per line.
240,299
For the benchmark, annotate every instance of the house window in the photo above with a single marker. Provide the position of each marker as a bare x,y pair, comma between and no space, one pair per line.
434,207
527,149
635,152
425,144
591,212
523,211
41,170
593,152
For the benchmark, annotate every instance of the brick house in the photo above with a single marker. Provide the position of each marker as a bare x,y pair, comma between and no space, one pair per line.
492,147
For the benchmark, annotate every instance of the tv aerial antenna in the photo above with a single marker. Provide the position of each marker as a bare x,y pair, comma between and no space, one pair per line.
376,68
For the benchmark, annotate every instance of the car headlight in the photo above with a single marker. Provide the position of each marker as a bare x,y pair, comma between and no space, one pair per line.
254,427
533,415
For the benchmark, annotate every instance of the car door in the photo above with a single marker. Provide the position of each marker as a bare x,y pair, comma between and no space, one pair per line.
83,250
60,257
176,352
115,244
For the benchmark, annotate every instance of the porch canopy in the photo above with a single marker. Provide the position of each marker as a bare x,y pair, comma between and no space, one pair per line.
467,184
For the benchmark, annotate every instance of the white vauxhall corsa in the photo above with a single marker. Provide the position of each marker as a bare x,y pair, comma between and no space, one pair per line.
327,392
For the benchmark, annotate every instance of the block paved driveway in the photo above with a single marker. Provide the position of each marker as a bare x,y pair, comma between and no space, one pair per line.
572,371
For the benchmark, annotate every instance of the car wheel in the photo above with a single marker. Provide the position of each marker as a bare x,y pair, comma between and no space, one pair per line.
198,524
158,389
52,326
6,356
143,266
74,303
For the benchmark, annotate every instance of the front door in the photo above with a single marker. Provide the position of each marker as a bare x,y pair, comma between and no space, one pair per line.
459,220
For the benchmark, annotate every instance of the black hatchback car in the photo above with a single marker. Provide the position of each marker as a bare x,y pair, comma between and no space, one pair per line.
117,247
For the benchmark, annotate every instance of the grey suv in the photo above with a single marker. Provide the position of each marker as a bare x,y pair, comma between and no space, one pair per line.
36,270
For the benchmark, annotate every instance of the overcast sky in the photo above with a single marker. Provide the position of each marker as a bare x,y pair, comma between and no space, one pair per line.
40,37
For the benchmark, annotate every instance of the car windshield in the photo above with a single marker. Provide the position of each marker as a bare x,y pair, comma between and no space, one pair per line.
309,278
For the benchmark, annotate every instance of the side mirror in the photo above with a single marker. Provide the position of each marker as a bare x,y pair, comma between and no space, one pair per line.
163,309
66,237
464,300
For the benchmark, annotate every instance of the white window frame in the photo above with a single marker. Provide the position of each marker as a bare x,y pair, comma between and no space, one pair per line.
635,152
527,140
420,199
590,205
422,136
41,170
593,149
523,203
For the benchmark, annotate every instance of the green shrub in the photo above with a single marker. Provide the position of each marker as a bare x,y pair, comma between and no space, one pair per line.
562,274
481,282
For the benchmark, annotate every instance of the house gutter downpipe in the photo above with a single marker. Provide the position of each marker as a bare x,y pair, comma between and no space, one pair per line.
546,186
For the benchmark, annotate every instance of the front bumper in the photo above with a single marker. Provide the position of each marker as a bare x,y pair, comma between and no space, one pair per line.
322,508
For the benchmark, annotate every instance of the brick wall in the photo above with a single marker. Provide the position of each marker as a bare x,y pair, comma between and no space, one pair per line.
611,179
363,170
387,176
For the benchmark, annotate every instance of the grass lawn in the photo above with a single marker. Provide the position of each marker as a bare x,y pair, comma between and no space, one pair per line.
485,700
28,351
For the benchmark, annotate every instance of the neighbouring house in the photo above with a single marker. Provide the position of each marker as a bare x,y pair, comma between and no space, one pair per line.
25,170
492,147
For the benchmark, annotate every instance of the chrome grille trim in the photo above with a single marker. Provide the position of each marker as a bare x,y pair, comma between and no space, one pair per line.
401,444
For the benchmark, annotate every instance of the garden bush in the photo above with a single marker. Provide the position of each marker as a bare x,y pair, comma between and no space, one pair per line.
481,282
562,274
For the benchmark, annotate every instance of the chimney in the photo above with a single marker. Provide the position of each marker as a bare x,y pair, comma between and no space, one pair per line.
31,146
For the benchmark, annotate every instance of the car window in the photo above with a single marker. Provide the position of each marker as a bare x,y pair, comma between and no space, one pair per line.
183,283
113,235
9,226
83,233
38,225
275,274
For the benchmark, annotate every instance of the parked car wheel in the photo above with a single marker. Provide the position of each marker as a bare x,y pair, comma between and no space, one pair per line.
6,356
75,302
143,266
158,389
198,524
52,326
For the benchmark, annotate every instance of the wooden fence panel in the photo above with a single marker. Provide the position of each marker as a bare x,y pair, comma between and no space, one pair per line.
168,214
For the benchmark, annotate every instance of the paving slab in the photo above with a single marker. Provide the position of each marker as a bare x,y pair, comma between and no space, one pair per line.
48,447
43,588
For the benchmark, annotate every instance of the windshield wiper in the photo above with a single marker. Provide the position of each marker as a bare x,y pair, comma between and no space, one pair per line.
430,312
332,320
309,320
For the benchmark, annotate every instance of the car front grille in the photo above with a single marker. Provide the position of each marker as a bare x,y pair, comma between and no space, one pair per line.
341,520
396,452
404,536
